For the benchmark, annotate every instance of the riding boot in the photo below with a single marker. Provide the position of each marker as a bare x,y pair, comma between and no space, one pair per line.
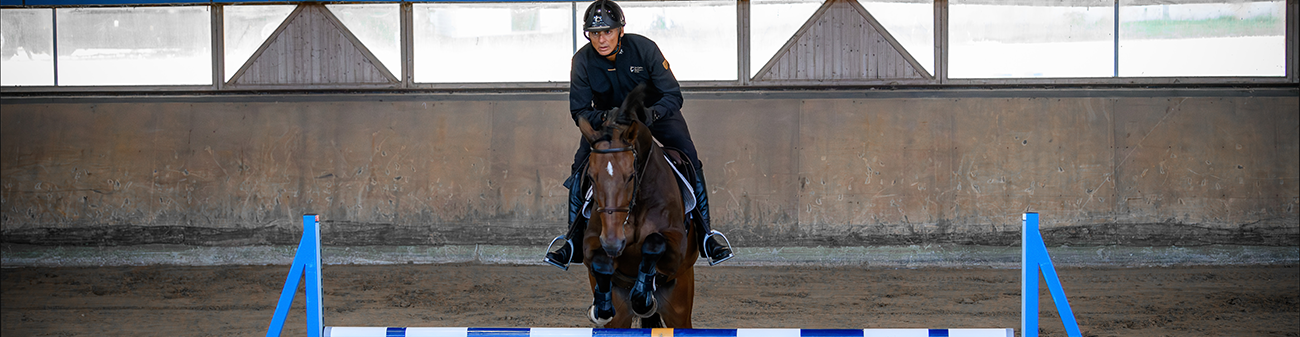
716,251
602,304
570,252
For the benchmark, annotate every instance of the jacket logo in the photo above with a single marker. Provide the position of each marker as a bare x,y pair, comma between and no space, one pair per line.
636,69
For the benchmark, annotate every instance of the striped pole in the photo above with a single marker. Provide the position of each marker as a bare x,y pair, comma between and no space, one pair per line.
307,266
589,332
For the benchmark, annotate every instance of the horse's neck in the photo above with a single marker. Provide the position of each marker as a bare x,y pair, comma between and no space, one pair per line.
654,168
653,153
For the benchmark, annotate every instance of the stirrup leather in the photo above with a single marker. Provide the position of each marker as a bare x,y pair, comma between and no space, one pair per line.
550,249
730,252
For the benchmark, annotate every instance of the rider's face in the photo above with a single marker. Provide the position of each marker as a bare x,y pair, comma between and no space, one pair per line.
605,41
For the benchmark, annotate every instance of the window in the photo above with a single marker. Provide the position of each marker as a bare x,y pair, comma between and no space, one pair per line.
532,41
1069,38
698,38
911,22
483,42
772,23
28,46
378,27
1205,38
134,45
246,28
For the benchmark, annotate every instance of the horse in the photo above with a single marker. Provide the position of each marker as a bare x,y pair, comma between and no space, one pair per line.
639,251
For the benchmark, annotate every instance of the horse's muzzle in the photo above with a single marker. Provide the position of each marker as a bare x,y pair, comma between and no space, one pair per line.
614,247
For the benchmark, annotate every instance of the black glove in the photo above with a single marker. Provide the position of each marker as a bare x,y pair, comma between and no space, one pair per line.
593,116
654,116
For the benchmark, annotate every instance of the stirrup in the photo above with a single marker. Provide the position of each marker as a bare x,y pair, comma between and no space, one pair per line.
730,252
558,264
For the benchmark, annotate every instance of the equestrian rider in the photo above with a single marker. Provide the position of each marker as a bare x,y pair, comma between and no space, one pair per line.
604,72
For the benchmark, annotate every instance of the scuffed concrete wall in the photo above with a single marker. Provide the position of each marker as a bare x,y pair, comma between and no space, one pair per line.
785,168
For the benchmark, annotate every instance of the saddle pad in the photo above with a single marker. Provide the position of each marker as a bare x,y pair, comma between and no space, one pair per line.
688,193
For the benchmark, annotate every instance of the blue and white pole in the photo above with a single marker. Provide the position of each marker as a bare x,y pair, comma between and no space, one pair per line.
588,332
307,262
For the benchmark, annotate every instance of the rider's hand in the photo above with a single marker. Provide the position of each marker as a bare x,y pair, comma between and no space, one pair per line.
654,116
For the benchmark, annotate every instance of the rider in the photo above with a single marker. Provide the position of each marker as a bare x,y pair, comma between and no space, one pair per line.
603,73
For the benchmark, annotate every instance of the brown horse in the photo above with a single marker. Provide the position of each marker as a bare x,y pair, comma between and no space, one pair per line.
639,253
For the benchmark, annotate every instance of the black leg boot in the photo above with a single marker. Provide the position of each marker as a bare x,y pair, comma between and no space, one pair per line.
642,294
711,248
602,304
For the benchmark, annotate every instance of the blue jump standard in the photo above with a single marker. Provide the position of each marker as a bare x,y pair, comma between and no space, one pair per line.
307,262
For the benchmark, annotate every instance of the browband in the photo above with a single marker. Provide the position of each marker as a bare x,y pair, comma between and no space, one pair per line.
613,150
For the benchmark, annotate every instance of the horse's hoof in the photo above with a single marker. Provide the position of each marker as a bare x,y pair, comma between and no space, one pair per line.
654,306
591,315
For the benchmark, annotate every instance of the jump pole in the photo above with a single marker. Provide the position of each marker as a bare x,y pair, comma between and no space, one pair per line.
307,261
597,332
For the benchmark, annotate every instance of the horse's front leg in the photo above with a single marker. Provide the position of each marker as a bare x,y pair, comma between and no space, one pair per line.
602,272
642,294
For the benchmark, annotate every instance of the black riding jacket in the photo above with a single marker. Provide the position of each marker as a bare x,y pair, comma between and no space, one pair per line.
595,83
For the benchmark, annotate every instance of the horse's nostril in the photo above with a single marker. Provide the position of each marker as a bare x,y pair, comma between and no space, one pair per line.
613,249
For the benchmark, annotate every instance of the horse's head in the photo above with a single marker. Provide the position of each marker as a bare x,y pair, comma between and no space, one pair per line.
615,147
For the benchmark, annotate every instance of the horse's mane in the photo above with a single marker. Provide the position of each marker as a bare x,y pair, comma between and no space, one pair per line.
631,117
633,109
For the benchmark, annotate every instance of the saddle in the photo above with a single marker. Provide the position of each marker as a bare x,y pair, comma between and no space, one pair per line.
685,173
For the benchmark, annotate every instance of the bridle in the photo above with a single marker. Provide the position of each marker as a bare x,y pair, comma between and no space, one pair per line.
636,182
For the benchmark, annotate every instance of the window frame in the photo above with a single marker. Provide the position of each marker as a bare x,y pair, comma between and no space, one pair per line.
744,81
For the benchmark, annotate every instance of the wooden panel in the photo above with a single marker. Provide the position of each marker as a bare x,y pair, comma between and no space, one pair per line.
841,42
312,48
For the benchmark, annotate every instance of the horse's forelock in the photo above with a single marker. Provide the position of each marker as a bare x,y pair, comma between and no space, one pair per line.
604,136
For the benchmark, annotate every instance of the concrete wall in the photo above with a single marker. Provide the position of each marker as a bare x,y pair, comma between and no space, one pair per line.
1127,167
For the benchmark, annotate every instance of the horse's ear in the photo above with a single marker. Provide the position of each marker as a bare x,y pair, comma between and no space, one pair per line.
630,134
588,132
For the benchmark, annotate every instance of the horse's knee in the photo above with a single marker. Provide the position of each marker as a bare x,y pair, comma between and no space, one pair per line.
602,264
654,244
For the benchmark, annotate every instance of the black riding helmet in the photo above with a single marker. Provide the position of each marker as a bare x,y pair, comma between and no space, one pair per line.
602,15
